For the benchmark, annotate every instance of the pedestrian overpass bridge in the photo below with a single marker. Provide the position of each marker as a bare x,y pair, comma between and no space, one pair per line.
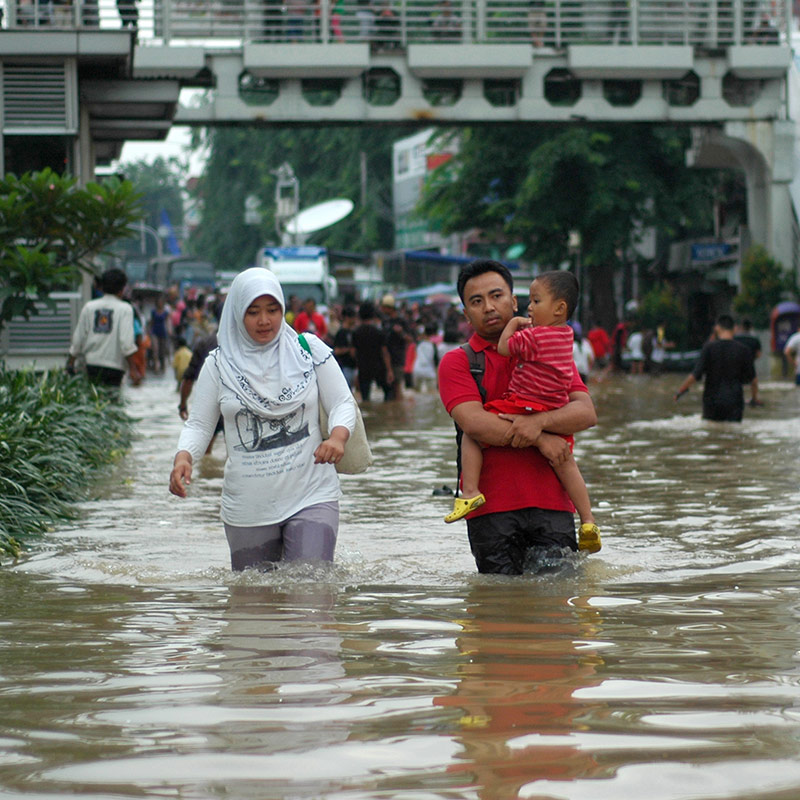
99,72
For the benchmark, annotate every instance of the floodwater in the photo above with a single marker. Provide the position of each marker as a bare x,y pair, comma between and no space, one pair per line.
133,663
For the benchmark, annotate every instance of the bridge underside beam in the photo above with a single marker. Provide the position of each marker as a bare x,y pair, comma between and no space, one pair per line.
263,84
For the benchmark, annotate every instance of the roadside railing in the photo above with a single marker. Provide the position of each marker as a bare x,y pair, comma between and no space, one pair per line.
388,24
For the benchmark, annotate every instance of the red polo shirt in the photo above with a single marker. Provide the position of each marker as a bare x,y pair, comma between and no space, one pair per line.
302,322
512,477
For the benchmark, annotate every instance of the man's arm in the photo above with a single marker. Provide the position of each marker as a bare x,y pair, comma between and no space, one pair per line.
524,430
387,363
686,385
577,415
789,351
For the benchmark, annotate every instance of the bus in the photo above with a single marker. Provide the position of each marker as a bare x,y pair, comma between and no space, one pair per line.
185,271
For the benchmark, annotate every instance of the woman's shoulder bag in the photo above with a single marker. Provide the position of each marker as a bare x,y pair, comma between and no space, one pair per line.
357,454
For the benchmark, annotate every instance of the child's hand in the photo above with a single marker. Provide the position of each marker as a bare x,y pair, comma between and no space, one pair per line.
515,323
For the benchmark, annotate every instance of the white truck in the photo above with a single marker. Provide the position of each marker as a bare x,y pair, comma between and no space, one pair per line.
302,271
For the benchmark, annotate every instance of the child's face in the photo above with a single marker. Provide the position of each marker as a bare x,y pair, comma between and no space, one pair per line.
543,308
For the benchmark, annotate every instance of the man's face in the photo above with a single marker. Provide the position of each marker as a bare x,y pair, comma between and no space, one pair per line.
488,304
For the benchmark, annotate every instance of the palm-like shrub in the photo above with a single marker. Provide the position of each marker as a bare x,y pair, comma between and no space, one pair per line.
56,432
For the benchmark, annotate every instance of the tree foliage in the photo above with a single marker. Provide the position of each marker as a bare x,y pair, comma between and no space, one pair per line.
51,230
536,184
327,163
763,285
160,184
661,306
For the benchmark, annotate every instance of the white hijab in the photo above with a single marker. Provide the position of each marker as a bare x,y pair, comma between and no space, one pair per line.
270,379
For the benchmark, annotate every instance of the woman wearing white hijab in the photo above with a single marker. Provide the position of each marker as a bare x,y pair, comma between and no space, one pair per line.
280,495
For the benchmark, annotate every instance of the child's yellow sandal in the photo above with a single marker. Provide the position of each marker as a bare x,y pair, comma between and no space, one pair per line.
463,505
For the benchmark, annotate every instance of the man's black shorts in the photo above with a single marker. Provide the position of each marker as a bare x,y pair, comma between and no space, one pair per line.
106,376
513,542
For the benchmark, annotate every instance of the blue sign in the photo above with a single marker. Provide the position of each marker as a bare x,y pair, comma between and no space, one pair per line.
711,251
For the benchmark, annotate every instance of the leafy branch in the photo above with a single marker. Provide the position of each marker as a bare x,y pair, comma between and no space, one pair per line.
51,230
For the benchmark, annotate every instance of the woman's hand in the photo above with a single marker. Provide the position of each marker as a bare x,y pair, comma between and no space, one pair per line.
331,450
181,475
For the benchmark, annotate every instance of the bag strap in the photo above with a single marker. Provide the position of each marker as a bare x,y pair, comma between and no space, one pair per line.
477,368
303,343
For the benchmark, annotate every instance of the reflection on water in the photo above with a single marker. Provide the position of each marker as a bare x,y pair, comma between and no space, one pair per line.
134,663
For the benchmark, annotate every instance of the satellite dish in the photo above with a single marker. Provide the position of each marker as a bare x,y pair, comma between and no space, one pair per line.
319,216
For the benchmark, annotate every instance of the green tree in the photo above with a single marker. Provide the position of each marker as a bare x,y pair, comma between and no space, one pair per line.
662,306
51,230
160,184
327,162
536,184
763,285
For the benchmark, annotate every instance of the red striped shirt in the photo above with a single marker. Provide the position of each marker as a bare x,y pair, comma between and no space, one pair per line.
543,364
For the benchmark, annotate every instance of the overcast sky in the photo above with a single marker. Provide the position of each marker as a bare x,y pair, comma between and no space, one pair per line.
174,145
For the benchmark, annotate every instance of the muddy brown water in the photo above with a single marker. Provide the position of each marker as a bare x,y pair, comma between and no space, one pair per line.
133,663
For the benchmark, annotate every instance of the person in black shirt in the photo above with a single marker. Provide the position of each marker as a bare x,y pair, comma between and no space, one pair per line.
398,338
746,337
372,354
199,354
343,350
726,366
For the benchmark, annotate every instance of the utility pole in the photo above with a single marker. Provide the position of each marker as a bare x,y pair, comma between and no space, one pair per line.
287,198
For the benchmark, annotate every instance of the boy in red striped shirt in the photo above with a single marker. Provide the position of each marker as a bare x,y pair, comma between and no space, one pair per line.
541,346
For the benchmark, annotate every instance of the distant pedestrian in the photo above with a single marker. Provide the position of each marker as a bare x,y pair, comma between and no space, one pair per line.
373,363
343,349
748,338
426,364
634,349
104,334
128,13
601,344
180,361
398,338
159,334
726,365
792,352
582,352
309,320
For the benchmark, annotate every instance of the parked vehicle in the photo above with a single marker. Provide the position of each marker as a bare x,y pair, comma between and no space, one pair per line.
302,271
185,271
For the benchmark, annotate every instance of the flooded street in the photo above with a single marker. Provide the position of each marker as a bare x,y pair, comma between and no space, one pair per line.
134,663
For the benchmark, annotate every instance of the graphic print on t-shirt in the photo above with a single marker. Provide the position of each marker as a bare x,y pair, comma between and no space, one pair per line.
259,433
103,320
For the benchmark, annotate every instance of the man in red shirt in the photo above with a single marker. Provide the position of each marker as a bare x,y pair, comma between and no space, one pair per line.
601,344
528,517
309,319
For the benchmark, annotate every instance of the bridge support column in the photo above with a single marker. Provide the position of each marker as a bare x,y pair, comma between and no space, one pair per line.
764,151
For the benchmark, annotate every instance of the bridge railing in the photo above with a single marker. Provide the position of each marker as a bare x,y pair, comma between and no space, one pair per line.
392,24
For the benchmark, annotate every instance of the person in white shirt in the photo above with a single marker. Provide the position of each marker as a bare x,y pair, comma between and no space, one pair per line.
792,352
634,348
427,361
104,334
280,494
582,352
